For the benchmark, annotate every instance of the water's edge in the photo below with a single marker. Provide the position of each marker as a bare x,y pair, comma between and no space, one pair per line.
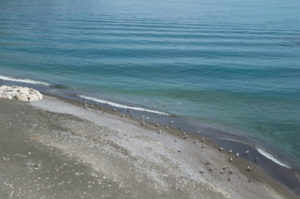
274,163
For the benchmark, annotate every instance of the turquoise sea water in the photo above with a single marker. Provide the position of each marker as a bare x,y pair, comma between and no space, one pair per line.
233,64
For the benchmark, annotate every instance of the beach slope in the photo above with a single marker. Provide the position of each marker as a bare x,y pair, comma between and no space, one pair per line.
55,149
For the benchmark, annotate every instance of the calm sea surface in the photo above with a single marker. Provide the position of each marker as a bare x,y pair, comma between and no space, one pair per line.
234,64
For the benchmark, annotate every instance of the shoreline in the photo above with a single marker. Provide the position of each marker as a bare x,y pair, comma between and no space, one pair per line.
284,175
277,174
103,140
77,95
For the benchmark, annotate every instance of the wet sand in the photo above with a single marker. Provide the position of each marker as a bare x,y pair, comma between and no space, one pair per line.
55,149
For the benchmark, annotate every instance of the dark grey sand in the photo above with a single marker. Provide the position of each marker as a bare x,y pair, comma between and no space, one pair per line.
72,152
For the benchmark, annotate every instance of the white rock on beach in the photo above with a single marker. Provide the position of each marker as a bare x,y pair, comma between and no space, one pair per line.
20,93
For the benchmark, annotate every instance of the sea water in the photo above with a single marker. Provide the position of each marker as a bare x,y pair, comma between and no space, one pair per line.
234,64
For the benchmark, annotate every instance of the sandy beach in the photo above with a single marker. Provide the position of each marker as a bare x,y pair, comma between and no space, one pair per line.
56,149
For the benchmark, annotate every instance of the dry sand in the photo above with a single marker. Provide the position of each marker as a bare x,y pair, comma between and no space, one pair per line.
55,149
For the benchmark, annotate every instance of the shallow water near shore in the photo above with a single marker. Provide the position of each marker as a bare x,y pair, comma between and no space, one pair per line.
217,63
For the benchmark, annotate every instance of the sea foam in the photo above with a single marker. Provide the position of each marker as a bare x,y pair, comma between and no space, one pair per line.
271,157
28,81
121,105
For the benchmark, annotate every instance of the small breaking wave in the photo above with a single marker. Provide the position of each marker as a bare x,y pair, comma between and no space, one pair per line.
271,157
28,81
121,105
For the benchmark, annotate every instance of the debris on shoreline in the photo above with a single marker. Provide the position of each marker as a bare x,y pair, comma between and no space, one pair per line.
20,93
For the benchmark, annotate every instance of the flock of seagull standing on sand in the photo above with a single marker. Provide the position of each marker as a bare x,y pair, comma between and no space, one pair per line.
185,136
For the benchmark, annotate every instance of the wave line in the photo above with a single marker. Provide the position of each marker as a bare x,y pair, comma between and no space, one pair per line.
121,105
28,81
271,157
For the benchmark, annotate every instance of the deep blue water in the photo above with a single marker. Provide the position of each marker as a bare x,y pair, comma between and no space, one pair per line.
234,64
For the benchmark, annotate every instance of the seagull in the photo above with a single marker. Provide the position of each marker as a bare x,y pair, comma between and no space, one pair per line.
249,168
85,104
